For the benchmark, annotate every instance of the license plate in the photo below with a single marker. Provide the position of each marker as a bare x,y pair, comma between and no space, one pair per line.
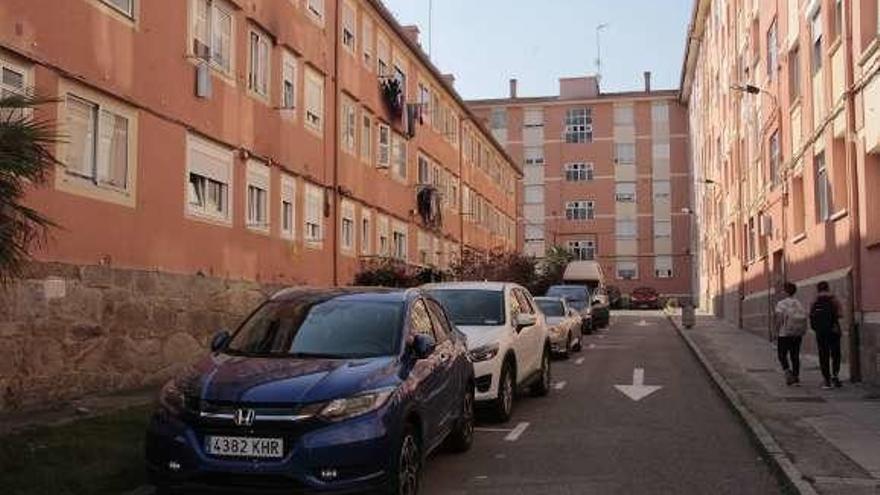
268,448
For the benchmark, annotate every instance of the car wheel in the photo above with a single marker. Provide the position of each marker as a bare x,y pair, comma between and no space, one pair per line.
503,407
462,437
405,478
542,387
567,351
578,345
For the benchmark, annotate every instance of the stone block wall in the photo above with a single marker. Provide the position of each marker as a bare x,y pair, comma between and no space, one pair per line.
67,331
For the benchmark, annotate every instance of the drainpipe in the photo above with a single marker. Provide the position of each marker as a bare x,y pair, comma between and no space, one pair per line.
334,210
855,369
460,198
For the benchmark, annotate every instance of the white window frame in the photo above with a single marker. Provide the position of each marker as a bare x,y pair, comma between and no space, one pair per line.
366,137
399,241
288,198
314,104
625,192
627,266
661,262
425,168
662,228
582,246
315,9
366,232
399,156
383,239
383,149
625,158
348,127
313,217
662,189
289,71
130,13
579,172
91,184
348,29
259,63
218,43
367,41
626,228
347,232
580,210
578,125
218,166
259,182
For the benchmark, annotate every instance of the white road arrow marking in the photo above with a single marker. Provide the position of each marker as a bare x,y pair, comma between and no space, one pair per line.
638,390
560,385
643,323
579,361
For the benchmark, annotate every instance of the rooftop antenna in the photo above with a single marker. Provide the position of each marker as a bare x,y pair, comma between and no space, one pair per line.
599,30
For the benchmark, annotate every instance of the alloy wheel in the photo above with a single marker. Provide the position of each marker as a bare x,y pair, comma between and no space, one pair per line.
545,370
409,467
467,416
507,399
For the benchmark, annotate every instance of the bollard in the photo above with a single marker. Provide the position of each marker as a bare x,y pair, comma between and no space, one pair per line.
687,314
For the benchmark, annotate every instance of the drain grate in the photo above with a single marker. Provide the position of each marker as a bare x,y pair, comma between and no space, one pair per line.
804,399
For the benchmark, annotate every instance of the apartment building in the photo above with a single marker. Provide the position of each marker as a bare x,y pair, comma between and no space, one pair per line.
275,142
784,100
606,176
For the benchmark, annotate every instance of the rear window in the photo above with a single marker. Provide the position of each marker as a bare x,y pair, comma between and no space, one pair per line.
472,307
551,308
570,293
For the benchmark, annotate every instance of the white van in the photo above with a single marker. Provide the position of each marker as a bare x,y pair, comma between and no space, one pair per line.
590,274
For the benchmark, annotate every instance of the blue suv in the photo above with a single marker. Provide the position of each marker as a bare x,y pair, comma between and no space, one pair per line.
318,391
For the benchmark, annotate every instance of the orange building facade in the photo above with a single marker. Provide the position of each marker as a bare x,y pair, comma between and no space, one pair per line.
606,176
784,100
251,139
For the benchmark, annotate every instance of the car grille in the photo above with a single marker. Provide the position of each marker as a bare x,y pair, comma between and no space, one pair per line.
484,383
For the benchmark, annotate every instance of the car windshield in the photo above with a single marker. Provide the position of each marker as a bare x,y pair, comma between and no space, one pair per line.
472,307
550,307
334,329
571,293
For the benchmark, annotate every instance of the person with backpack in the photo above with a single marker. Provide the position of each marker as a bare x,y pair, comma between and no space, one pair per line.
791,325
825,314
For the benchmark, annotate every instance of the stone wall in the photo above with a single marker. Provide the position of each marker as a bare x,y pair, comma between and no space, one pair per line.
68,331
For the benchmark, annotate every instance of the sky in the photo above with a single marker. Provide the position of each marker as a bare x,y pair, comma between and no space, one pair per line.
484,43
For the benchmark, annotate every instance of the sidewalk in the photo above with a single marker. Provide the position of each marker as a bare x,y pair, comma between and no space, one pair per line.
828,438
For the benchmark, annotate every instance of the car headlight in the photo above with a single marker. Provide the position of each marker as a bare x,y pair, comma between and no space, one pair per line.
484,353
349,407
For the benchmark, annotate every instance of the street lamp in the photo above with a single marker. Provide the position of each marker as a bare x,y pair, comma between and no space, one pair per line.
687,309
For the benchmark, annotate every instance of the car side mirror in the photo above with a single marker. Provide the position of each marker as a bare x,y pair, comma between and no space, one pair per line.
219,341
423,346
597,302
523,320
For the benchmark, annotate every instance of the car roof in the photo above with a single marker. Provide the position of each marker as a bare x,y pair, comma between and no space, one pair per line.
550,298
492,286
386,294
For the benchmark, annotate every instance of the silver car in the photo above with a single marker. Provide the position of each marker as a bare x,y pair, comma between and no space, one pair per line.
564,323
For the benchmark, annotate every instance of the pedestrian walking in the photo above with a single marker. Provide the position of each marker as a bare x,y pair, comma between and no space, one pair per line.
825,315
791,325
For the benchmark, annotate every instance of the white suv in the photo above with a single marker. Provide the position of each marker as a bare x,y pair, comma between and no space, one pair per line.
507,339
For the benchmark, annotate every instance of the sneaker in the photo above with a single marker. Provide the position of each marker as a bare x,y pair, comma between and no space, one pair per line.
789,378
836,382
827,386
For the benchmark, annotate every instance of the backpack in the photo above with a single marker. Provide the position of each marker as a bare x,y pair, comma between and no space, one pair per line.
823,315
795,322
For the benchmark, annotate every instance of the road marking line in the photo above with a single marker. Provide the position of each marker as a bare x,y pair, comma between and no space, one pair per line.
579,361
515,434
494,430
559,385
592,346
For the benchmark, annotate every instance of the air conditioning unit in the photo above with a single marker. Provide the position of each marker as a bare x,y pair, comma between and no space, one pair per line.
203,80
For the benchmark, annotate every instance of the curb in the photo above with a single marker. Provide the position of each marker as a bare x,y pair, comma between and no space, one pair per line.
770,449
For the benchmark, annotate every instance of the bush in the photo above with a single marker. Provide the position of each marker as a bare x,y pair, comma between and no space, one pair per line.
389,272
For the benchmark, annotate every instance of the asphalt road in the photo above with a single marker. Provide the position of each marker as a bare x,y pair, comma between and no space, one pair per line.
588,437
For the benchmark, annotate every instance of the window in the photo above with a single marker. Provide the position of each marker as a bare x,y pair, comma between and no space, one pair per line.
626,228
98,141
751,235
533,194
624,115
258,69
398,152
625,153
816,40
823,189
367,41
288,82
424,170
794,74
258,178
382,234
314,214
347,226
316,8
838,19
661,189
798,210
314,100
533,118
288,203
366,233
13,81
124,6
663,266
772,50
578,172
399,241
348,124
627,270
212,33
534,155
425,100
582,250
383,52
209,177
383,159
625,192
366,138
662,228
578,125
579,210
498,118
774,158
349,22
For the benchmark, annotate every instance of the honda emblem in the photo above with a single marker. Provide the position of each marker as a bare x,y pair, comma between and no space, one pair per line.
244,417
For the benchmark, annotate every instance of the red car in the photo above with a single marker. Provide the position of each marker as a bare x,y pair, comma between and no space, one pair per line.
645,298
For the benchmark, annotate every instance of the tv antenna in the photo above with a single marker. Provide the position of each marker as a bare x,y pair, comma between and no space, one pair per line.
601,27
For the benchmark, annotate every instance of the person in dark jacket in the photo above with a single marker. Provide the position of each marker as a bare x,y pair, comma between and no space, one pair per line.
825,314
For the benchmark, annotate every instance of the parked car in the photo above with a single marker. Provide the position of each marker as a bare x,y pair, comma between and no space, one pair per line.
579,297
564,324
644,298
589,273
507,337
331,390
